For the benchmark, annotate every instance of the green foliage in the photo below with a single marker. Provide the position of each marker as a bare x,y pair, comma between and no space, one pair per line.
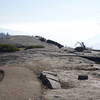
8,48
4,34
34,46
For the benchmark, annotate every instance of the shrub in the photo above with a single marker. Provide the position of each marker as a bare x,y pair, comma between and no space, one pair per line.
41,38
8,48
55,43
79,49
34,46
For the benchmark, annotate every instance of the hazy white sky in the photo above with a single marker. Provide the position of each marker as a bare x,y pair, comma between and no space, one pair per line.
66,21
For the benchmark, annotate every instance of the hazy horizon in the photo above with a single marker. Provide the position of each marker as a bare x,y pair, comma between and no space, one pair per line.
65,21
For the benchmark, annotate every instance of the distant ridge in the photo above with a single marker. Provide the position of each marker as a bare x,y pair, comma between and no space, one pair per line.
12,32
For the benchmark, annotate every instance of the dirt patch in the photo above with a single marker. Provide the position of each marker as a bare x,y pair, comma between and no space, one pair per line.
19,84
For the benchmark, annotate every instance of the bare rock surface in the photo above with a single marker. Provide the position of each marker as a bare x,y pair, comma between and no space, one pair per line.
60,67
74,89
73,94
23,41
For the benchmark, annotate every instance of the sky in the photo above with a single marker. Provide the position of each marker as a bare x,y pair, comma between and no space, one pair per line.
65,21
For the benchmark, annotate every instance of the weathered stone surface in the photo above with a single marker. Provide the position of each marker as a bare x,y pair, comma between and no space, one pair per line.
50,79
62,68
74,89
82,66
73,94
96,74
50,73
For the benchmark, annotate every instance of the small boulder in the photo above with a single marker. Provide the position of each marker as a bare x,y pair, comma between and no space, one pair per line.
82,77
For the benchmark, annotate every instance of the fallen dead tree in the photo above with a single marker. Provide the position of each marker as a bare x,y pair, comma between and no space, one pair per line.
1,74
